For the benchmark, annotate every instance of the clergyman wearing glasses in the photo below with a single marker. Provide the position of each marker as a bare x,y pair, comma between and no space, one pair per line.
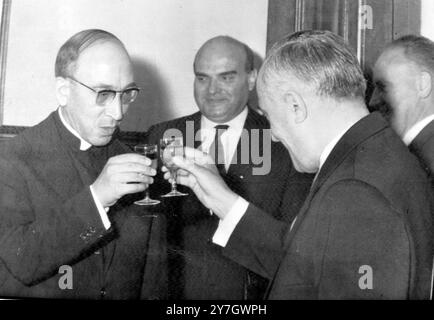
65,186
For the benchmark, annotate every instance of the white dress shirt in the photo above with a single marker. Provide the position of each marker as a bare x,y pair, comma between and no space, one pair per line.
412,133
229,137
227,225
84,145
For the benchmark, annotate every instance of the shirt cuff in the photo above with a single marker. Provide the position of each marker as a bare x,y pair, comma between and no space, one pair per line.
101,210
227,225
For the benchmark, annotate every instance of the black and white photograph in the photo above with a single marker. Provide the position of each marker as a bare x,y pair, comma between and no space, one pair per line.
230,151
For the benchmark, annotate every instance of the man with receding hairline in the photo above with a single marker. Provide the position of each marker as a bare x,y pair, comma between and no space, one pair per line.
65,186
404,83
224,77
404,90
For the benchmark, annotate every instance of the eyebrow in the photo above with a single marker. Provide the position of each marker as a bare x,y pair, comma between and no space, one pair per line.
226,73
109,87
200,74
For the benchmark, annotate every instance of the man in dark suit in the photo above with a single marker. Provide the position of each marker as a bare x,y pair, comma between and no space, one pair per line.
365,230
249,162
67,229
404,83
404,87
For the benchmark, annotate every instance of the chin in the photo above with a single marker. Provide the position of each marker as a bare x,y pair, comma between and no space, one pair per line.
217,117
217,110
299,167
101,141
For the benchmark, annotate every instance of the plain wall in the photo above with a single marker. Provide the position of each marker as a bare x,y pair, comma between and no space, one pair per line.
162,38
427,19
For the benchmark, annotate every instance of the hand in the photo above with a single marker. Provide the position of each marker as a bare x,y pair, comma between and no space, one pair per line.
198,172
123,174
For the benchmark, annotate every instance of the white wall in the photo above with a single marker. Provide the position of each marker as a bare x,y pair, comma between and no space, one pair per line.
427,22
162,37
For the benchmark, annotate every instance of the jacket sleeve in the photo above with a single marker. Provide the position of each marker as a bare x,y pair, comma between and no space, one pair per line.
34,244
257,242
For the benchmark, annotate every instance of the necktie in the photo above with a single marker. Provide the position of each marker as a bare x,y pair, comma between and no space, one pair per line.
217,149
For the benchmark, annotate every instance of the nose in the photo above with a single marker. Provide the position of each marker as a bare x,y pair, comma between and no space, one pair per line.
213,87
114,109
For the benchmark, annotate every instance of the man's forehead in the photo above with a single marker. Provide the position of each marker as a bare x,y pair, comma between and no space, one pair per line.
104,52
218,65
214,55
104,58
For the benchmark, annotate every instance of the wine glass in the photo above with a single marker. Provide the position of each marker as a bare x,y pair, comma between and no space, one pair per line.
170,147
150,151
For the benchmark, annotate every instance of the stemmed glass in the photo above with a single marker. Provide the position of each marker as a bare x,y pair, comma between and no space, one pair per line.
170,147
150,151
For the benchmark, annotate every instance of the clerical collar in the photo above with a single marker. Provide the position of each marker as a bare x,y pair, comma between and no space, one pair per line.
411,134
84,145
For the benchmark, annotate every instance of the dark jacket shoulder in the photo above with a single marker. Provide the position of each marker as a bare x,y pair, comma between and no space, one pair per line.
36,138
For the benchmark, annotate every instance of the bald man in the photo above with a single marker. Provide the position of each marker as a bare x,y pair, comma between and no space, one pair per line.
224,77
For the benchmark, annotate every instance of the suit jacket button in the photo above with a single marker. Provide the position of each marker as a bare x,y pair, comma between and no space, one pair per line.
103,292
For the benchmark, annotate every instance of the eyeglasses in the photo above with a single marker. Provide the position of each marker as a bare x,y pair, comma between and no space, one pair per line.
106,96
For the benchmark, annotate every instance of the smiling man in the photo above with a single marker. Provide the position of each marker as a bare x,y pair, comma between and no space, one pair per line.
64,186
224,77
404,83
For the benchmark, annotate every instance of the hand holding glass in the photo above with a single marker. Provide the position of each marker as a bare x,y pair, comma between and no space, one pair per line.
170,147
151,152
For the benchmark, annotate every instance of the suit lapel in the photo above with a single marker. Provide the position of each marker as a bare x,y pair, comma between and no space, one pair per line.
421,149
61,144
188,126
196,120
67,147
359,132
424,136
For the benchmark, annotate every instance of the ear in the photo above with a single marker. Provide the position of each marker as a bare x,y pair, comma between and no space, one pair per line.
297,105
251,79
62,91
425,84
